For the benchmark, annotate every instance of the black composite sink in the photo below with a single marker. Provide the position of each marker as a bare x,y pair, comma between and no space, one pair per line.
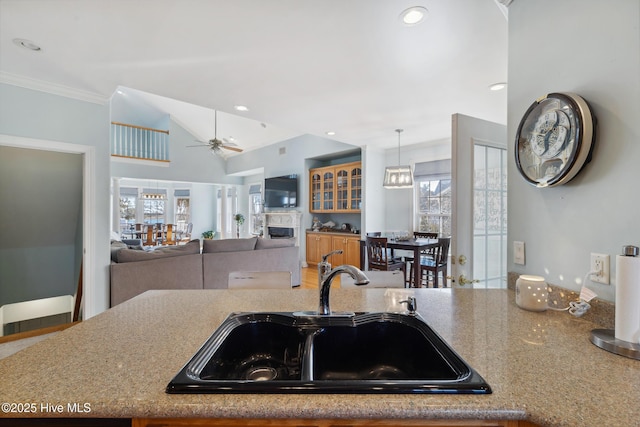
363,353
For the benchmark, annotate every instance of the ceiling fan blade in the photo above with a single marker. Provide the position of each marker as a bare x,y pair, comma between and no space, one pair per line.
227,147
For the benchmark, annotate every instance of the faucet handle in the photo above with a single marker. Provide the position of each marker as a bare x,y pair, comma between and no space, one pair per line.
412,304
336,252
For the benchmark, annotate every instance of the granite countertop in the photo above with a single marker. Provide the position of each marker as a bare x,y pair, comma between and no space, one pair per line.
541,366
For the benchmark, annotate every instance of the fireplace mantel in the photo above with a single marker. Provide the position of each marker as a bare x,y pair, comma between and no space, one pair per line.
289,219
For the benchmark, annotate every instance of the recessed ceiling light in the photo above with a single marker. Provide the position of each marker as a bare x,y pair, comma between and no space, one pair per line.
414,15
330,132
497,86
241,108
27,44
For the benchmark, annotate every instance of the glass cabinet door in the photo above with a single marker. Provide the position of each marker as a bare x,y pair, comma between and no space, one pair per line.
327,198
316,192
336,188
342,189
356,189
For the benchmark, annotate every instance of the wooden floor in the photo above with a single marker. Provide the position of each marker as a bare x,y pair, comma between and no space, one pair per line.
309,279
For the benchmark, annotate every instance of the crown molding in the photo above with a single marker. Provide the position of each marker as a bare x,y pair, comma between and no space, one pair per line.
52,88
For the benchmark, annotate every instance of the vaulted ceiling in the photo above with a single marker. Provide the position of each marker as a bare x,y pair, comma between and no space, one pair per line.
311,66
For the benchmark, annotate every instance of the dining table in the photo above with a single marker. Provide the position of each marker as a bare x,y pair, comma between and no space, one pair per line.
414,245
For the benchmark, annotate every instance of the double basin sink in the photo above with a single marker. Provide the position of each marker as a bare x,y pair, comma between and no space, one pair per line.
298,353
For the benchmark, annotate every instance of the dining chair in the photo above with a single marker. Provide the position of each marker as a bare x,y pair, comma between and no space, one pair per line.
378,257
139,229
426,252
434,266
168,235
150,234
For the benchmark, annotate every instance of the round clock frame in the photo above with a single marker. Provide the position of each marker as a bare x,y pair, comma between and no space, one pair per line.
555,139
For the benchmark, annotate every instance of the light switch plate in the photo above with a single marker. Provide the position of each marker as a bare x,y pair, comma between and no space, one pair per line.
518,253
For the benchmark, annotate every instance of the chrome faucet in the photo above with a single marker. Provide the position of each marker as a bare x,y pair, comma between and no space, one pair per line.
325,286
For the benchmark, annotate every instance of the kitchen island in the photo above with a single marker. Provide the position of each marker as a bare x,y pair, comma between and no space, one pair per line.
541,366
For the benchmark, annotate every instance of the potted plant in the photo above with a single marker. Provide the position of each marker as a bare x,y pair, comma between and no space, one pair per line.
239,219
208,234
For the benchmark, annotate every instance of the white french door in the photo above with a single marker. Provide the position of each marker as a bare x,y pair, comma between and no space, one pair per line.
479,188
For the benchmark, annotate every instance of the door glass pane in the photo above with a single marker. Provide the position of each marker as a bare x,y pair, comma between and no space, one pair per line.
489,216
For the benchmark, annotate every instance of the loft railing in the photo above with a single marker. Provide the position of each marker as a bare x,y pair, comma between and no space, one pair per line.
137,142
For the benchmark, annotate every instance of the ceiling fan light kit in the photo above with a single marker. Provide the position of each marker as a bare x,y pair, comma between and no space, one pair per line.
555,139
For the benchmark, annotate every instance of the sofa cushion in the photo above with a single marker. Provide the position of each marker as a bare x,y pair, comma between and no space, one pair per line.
116,245
133,278
228,245
274,243
216,267
132,255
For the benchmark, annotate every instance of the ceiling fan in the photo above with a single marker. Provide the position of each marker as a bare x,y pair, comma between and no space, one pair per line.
216,145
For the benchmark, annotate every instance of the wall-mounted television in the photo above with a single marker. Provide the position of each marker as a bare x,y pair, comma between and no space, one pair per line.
281,192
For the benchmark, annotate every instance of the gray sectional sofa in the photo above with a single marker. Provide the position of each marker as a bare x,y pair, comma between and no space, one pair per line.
134,271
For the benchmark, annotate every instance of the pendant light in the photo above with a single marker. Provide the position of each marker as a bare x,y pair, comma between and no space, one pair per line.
398,176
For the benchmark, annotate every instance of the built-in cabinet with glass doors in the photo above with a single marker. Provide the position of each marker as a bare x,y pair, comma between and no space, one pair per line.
336,188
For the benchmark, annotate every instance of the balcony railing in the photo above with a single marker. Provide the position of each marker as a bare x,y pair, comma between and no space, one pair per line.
137,142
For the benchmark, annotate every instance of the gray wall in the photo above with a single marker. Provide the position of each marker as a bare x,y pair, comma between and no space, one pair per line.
46,117
40,223
591,48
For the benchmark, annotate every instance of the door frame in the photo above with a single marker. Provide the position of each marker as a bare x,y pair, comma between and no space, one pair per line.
88,206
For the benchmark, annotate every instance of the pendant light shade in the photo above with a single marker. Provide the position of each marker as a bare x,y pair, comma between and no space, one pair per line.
398,176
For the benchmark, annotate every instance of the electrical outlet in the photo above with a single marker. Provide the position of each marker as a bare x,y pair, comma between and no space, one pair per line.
599,264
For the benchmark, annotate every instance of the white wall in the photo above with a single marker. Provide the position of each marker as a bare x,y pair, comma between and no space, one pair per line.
44,117
188,164
398,206
592,48
203,208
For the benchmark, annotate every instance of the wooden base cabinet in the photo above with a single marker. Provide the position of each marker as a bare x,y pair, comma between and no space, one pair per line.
158,422
350,246
321,243
317,245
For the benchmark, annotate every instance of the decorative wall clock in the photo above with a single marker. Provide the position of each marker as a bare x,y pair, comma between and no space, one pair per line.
555,139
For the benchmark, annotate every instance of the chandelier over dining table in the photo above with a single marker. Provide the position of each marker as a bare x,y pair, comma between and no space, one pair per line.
398,176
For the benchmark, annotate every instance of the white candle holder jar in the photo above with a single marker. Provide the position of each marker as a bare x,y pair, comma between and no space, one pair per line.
531,293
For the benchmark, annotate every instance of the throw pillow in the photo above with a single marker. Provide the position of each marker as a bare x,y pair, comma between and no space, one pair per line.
228,245
274,243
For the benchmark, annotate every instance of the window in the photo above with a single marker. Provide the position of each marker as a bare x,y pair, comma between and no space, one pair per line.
433,196
182,209
225,210
128,200
255,209
153,205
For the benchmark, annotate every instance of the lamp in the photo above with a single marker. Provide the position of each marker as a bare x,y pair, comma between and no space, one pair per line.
398,176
